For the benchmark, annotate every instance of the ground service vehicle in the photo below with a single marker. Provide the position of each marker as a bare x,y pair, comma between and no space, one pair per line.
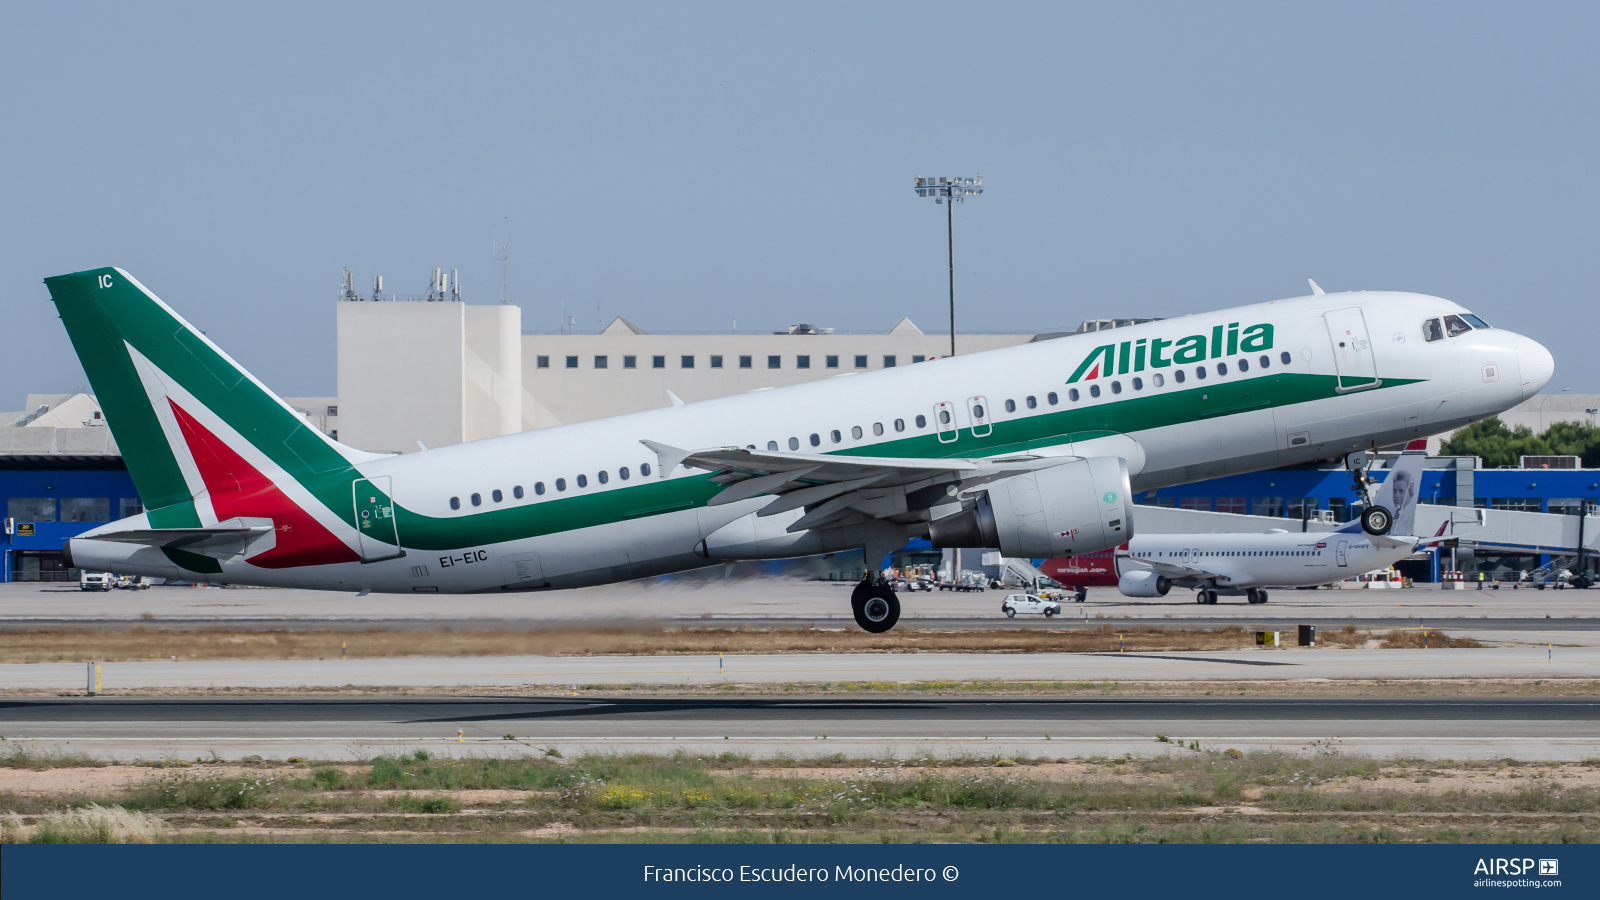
1029,604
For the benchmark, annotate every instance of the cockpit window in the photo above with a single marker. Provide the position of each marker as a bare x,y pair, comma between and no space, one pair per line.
1455,326
1474,321
1432,330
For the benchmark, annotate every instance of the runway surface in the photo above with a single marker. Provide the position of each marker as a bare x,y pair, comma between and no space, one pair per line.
769,603
1460,728
1576,660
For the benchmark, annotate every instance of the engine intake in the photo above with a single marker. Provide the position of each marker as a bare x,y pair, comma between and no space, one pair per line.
1077,507
1143,583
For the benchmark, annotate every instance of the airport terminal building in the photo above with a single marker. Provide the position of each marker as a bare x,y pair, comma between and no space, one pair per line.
414,374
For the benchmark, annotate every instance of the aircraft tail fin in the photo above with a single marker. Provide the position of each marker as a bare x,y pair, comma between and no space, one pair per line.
192,425
1399,491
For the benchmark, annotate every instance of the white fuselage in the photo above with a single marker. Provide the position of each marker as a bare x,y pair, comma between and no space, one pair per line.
1243,561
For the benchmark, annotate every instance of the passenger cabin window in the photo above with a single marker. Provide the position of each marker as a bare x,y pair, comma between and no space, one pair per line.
877,428
1285,357
538,488
1050,398
794,443
1011,406
1432,330
899,424
835,436
644,469
816,439
1138,383
603,476
1094,390
1177,375
1116,387
922,421
1455,326
1222,368
623,473
477,499
496,495
1244,365
856,431
583,481
1200,372
1158,379
561,484
455,502
772,445
1072,394
1032,403
517,492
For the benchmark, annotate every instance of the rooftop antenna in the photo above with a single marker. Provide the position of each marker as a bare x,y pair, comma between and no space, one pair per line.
377,288
455,285
347,288
504,260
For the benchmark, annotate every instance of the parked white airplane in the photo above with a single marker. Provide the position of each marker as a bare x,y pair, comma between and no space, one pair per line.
1032,450
1248,564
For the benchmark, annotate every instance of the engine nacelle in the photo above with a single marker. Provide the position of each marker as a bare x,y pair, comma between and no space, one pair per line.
1143,583
1076,507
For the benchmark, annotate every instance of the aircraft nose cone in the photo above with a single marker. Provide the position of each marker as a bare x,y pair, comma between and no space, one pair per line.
1537,365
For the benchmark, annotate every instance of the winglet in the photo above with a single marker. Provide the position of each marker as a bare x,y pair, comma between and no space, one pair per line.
667,458
1316,289
674,398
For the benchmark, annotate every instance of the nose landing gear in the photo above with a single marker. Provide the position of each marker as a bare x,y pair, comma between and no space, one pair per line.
875,605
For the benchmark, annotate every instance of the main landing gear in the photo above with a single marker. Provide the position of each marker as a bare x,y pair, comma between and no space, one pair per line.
875,605
1256,595
1207,596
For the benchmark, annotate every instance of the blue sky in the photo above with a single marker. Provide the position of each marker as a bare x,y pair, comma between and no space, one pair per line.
687,165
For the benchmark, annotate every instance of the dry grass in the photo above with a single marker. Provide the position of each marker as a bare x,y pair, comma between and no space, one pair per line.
1213,795
141,643
1416,640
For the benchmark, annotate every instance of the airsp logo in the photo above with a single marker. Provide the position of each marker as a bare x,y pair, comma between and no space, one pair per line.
1549,867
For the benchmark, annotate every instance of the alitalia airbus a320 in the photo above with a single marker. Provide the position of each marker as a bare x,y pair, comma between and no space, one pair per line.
1033,450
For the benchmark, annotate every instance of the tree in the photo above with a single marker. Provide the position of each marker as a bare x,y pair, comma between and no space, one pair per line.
1498,445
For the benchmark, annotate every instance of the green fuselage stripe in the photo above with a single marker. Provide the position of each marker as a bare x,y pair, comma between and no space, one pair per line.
1050,427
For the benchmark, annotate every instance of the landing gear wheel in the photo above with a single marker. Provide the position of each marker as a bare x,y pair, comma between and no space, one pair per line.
1211,598
876,607
1262,595
1082,596
1257,596
1200,597
1376,520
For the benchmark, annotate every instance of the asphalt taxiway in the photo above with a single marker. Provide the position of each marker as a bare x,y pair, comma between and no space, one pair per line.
351,728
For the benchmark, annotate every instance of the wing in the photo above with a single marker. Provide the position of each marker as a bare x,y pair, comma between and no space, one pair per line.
1172,570
832,488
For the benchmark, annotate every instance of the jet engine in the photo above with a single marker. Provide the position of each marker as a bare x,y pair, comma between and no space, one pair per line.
1076,507
1143,583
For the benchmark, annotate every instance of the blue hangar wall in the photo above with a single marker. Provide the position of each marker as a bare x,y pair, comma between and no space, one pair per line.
50,499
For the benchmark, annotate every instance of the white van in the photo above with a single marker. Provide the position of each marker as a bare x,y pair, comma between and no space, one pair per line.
1029,603
95,581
